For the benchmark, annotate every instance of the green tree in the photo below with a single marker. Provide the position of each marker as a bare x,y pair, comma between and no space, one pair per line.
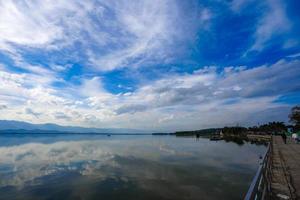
295,117
269,128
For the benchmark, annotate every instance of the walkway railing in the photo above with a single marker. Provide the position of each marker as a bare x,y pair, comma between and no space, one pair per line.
260,187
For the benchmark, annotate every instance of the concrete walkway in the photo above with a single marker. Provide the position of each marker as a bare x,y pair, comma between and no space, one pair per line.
285,169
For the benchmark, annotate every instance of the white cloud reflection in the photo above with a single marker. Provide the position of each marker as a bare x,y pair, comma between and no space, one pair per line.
24,164
33,160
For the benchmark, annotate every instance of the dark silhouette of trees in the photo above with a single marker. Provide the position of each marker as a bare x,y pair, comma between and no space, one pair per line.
201,132
295,118
236,130
269,128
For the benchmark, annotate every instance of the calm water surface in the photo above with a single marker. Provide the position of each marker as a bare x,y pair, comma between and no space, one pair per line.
124,167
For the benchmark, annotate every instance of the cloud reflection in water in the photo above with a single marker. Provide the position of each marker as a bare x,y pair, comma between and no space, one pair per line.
157,165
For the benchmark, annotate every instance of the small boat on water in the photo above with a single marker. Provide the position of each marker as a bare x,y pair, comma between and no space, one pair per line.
215,138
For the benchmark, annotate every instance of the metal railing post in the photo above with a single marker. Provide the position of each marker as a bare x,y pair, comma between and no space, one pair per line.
260,185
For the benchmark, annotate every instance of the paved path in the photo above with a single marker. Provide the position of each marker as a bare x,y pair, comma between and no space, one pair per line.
285,169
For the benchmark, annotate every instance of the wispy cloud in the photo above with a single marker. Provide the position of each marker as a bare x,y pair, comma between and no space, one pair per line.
115,34
80,63
273,23
144,29
201,92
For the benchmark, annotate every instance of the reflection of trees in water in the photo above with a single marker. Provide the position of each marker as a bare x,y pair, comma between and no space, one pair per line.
242,140
237,140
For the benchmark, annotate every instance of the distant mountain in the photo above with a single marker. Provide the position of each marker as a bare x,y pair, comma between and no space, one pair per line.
11,126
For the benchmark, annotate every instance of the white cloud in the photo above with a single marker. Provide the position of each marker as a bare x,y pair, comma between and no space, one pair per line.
200,97
205,15
274,22
112,34
19,27
238,5
201,87
92,87
294,55
166,118
180,101
146,28
116,34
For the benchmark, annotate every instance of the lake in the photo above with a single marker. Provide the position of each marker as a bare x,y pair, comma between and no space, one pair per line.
125,167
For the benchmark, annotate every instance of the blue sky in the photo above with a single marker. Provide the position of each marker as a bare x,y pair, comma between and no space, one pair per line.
156,65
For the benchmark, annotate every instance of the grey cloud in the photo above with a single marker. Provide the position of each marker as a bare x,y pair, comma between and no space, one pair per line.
61,115
29,111
131,108
277,79
76,114
91,119
3,107
264,81
264,116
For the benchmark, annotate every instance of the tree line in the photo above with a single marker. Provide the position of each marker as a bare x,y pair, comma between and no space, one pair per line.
269,128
